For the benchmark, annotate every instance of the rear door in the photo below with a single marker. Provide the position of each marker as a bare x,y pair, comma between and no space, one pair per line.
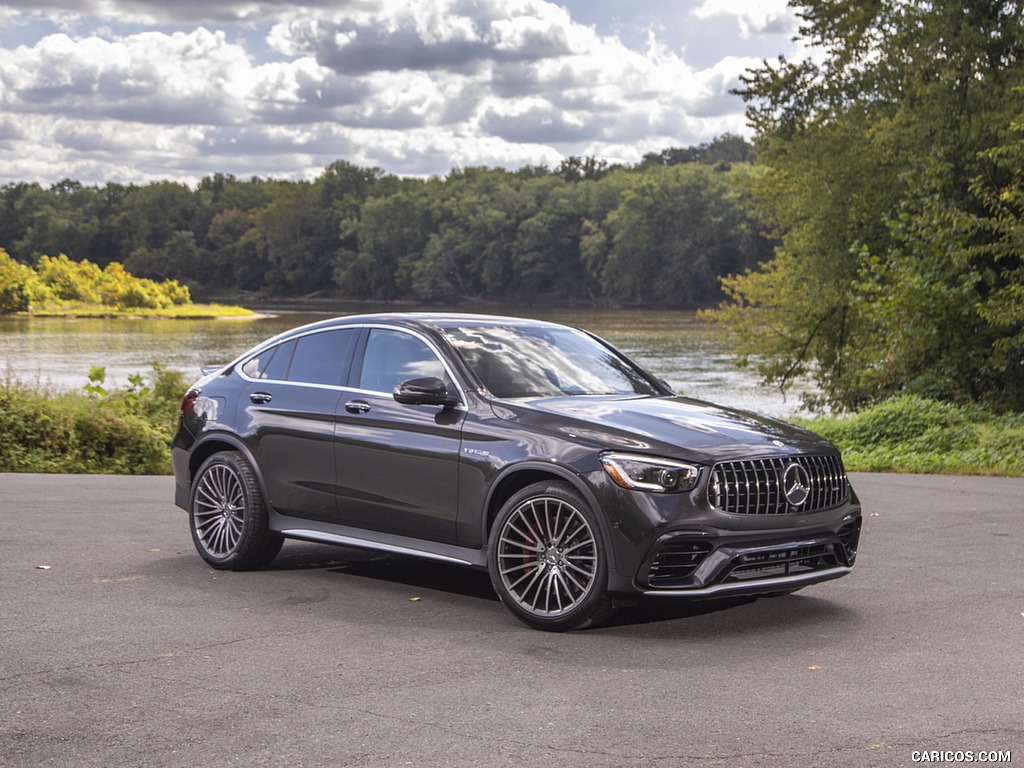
397,465
289,406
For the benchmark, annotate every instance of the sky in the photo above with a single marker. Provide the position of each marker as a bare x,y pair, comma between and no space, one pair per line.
136,91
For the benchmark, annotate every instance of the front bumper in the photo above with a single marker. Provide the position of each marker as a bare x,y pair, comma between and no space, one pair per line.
685,564
677,545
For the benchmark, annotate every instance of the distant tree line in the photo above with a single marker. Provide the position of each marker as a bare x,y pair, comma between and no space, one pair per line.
661,232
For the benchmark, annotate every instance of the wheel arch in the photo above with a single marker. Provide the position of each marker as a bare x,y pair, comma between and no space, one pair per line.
520,475
215,443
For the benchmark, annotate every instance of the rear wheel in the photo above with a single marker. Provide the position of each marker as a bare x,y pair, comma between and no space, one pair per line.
228,517
547,560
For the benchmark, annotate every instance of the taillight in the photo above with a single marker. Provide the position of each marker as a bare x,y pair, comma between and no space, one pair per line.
188,402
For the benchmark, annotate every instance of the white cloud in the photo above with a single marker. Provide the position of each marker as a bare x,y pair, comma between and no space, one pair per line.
411,87
186,11
755,17
151,78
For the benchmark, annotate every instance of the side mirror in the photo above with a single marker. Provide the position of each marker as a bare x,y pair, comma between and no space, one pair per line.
426,391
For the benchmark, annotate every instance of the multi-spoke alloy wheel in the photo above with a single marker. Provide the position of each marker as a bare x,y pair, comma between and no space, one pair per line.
228,517
546,558
219,510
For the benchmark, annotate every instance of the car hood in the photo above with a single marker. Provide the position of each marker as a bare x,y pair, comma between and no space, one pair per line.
672,426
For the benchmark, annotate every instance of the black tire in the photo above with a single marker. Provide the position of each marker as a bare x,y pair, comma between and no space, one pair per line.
227,515
547,559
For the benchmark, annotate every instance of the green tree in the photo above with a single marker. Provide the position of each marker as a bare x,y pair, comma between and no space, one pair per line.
69,280
180,259
155,212
675,231
546,250
393,232
224,192
287,239
343,189
1000,242
948,298
724,150
864,157
64,218
469,255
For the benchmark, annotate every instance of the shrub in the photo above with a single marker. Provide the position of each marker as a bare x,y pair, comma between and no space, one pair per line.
66,282
124,431
914,434
70,280
19,286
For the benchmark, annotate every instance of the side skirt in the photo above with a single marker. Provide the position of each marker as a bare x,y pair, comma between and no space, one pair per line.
327,533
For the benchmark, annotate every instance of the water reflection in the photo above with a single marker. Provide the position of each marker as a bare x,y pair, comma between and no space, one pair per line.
692,357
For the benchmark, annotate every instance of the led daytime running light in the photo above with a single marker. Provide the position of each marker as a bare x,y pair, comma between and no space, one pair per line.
645,473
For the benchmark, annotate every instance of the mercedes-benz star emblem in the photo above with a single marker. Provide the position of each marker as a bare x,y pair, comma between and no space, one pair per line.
796,484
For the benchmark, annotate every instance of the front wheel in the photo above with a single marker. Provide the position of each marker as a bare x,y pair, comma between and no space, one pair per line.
228,517
547,560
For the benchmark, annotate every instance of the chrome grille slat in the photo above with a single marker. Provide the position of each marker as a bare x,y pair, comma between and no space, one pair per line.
755,487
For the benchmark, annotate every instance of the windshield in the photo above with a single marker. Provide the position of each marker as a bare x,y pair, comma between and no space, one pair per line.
546,361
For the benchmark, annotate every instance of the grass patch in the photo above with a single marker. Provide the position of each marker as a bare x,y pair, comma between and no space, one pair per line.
182,311
915,435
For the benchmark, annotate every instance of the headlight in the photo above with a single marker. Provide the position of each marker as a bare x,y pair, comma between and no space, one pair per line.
644,473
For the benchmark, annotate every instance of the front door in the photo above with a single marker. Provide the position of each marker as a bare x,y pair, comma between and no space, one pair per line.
397,465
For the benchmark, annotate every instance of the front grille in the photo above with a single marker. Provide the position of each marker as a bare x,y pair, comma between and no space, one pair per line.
756,487
676,561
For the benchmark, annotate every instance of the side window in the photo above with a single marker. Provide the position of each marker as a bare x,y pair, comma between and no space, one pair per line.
322,358
271,363
392,357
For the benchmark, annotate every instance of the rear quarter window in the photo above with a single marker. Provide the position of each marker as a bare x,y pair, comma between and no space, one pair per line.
271,363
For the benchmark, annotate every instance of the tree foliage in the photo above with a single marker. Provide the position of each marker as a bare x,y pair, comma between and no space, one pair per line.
19,285
888,175
661,232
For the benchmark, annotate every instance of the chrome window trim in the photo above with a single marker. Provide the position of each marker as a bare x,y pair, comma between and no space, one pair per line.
462,406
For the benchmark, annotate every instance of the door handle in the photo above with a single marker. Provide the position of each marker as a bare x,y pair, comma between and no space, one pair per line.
261,397
357,406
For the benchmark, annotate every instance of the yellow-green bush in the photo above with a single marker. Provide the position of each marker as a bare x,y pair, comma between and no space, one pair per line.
19,285
68,281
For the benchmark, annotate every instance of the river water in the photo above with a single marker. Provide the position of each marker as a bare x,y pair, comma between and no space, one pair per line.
57,353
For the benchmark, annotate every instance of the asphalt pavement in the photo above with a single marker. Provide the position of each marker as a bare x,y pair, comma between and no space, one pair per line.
120,647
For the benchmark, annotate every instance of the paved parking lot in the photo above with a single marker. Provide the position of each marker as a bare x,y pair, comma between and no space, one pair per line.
119,647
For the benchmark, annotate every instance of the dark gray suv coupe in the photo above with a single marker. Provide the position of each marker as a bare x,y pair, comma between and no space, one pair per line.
532,450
